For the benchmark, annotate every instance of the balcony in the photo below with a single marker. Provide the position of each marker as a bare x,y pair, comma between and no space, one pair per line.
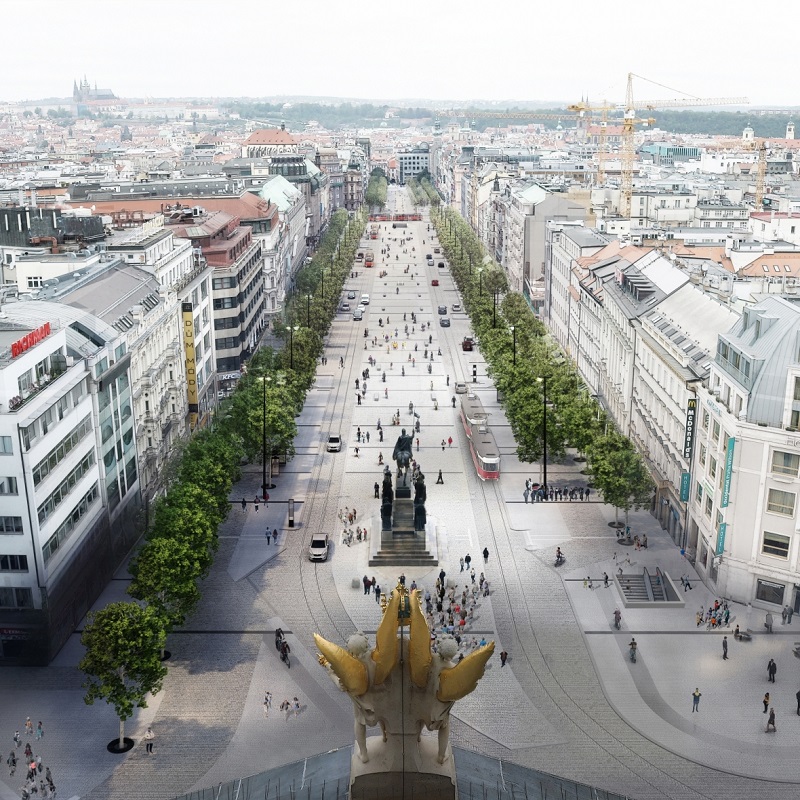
18,402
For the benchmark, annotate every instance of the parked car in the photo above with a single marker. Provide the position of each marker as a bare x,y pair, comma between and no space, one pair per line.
442,309
437,250
318,549
351,295
429,256
441,265
461,387
364,300
456,307
444,322
334,443
345,306
434,282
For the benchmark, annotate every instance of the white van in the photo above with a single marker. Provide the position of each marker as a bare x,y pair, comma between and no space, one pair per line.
364,299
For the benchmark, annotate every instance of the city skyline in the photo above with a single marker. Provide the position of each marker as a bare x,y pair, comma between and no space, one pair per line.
444,53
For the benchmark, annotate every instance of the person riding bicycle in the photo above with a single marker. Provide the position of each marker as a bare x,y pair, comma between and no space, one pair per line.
278,638
633,648
559,555
285,650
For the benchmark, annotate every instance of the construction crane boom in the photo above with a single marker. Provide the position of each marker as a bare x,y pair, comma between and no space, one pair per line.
462,112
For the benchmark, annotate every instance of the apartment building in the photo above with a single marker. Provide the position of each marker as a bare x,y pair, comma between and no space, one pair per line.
743,517
68,471
414,161
237,288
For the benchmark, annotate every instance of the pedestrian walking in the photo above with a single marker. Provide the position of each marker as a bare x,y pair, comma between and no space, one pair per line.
503,658
440,479
771,721
268,534
768,622
17,739
244,504
485,555
296,706
467,560
472,574
696,695
28,727
367,437
275,536
765,701
367,584
149,736
784,614
286,708
377,593
377,489
789,616
356,451
449,441
724,648
443,444
39,731
255,505
461,562
605,580
341,362
12,758
798,703
772,668
525,494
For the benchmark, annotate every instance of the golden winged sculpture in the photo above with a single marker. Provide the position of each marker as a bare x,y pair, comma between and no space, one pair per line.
373,679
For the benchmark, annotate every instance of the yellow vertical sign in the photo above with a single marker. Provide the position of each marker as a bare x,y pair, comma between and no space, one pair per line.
191,365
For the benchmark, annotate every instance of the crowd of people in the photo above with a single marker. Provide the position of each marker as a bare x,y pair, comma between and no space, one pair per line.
535,493
38,778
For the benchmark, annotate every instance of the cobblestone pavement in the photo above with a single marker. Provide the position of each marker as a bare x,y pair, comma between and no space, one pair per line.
569,701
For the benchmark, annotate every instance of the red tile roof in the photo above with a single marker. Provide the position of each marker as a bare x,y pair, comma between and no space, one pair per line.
270,136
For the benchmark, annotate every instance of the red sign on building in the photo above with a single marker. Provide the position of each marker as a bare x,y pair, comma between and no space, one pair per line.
29,340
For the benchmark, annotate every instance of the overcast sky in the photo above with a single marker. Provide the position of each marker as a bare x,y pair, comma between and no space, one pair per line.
436,49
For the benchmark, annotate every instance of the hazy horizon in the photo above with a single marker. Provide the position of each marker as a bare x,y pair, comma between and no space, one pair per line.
445,52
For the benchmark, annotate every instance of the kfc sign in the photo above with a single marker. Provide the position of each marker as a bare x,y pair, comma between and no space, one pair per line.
29,340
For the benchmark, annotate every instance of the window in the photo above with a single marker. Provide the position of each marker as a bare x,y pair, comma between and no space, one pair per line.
773,544
796,389
67,527
13,563
60,452
705,420
779,502
785,463
715,431
8,486
712,468
10,525
703,454
16,597
35,281
6,448
67,485
770,592
709,506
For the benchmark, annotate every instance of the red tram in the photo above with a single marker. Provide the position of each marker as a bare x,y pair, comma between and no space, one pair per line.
482,445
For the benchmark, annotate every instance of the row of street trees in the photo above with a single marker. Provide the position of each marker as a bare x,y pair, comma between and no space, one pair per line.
533,376
375,196
125,640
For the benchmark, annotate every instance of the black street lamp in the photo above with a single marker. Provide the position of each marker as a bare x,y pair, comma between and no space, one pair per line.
494,308
543,381
308,311
514,351
291,343
480,281
264,483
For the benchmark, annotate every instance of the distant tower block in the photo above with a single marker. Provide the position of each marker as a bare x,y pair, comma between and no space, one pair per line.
790,130
748,134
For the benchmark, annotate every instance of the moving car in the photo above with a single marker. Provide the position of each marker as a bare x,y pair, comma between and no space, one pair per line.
358,314
461,387
351,295
334,443
456,307
441,265
345,306
434,282
467,343
437,250
429,262
444,322
364,300
442,309
318,549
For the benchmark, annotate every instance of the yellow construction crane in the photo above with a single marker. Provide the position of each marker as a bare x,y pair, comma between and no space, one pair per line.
630,121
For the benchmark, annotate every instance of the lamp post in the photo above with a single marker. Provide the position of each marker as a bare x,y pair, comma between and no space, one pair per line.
308,311
514,345
264,483
543,381
494,308
480,281
291,343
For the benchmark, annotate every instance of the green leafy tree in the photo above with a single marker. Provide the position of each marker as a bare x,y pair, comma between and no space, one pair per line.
165,576
618,472
122,663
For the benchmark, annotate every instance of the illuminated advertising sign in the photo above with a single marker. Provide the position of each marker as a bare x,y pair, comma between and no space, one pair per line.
688,442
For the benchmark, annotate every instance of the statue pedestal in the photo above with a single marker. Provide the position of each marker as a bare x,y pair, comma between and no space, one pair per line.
401,769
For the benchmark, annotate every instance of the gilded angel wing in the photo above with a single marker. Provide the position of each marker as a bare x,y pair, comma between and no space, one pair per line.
385,653
420,644
458,681
349,670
